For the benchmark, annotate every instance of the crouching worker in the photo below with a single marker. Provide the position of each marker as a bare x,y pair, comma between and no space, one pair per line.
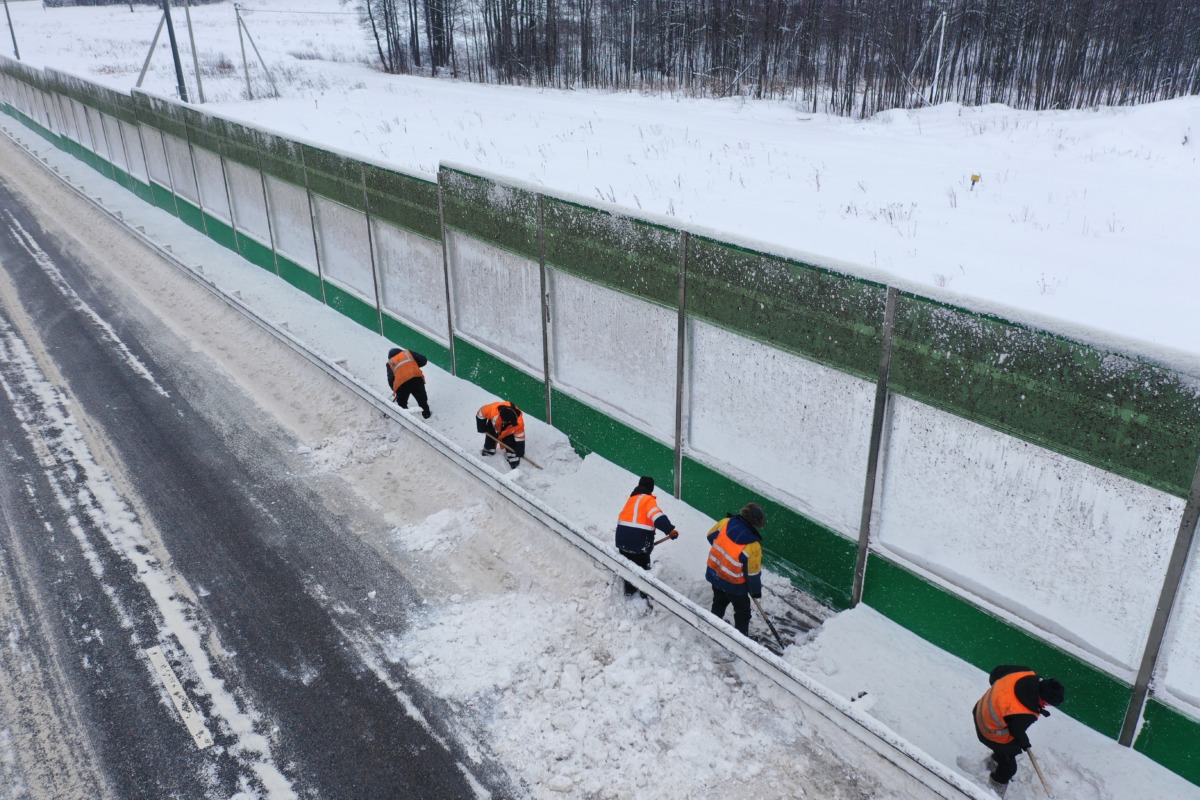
504,423
1016,700
639,519
735,564
406,379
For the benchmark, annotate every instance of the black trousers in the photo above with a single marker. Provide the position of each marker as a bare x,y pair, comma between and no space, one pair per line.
741,608
643,561
1005,756
513,450
414,387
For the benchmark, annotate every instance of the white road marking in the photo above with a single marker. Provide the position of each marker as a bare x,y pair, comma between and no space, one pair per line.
187,712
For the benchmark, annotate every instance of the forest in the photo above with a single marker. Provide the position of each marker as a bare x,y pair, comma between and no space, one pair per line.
846,57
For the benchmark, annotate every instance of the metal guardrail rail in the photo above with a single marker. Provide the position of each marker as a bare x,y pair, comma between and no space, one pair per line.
887,744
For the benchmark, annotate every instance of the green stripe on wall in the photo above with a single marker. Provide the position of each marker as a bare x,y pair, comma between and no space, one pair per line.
403,200
825,316
190,214
594,431
352,306
164,198
818,560
615,251
220,231
499,377
402,335
1170,738
1112,411
334,177
298,276
980,638
256,252
503,216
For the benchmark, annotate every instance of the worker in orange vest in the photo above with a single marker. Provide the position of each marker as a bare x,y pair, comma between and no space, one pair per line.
406,379
1016,699
735,564
636,525
505,422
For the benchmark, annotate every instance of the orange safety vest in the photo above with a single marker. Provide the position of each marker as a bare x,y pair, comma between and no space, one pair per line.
640,511
404,369
492,412
998,702
725,556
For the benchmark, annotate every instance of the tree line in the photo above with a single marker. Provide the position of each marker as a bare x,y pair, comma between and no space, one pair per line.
849,57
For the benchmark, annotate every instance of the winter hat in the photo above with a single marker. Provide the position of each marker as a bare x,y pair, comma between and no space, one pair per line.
1051,691
646,484
508,414
753,513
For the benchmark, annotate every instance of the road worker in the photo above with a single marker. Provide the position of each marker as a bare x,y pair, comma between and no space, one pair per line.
735,564
406,379
1016,700
502,422
636,527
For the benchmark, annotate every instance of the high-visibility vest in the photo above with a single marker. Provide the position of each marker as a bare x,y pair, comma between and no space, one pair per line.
491,412
725,556
641,511
404,369
998,702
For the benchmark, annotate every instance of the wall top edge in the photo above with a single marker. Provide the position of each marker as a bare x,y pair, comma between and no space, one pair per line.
1172,358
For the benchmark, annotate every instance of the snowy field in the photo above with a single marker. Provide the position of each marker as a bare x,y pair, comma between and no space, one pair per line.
1082,222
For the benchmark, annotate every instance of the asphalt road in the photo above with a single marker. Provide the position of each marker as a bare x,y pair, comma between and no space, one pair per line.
146,503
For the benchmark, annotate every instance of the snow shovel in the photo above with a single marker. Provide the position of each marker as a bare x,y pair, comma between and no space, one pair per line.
660,541
767,620
1041,777
514,452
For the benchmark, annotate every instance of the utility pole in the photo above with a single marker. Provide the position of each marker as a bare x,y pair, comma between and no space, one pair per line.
174,50
12,31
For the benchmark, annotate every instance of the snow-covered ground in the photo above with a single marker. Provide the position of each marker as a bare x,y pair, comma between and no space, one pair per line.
1082,220
584,693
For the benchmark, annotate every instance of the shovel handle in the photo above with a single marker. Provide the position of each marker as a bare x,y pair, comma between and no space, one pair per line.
514,452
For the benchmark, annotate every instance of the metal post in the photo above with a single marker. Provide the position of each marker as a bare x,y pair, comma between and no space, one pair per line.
681,397
187,12
153,44
174,50
237,10
274,88
12,31
446,274
262,176
362,171
877,418
545,287
316,237
1162,613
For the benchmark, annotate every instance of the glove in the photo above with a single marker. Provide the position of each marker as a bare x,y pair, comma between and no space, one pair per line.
756,596
674,534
